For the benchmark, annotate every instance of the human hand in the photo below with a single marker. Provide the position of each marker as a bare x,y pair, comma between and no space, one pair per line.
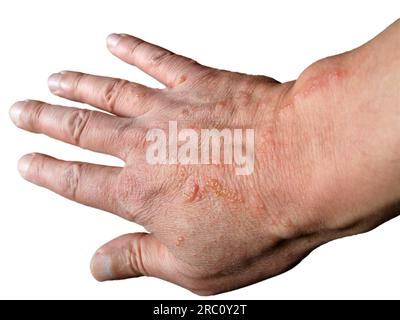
325,161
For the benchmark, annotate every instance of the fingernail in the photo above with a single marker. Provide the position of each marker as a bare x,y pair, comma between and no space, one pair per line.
15,111
100,266
113,39
24,163
54,82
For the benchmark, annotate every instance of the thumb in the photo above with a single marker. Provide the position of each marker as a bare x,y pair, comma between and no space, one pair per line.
133,255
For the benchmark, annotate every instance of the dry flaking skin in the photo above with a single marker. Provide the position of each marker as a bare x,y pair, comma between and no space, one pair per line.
325,166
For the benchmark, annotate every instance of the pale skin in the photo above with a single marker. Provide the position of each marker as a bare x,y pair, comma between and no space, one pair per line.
327,161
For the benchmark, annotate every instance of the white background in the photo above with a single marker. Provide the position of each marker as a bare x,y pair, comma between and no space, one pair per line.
46,242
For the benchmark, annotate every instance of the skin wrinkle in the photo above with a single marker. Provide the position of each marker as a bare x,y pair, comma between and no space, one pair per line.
36,115
76,83
159,59
76,124
113,93
125,128
72,177
137,264
134,47
325,165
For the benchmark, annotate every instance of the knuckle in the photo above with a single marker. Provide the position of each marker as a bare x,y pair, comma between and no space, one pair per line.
205,79
186,63
137,139
76,123
160,57
135,256
131,192
71,178
134,138
134,196
115,93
